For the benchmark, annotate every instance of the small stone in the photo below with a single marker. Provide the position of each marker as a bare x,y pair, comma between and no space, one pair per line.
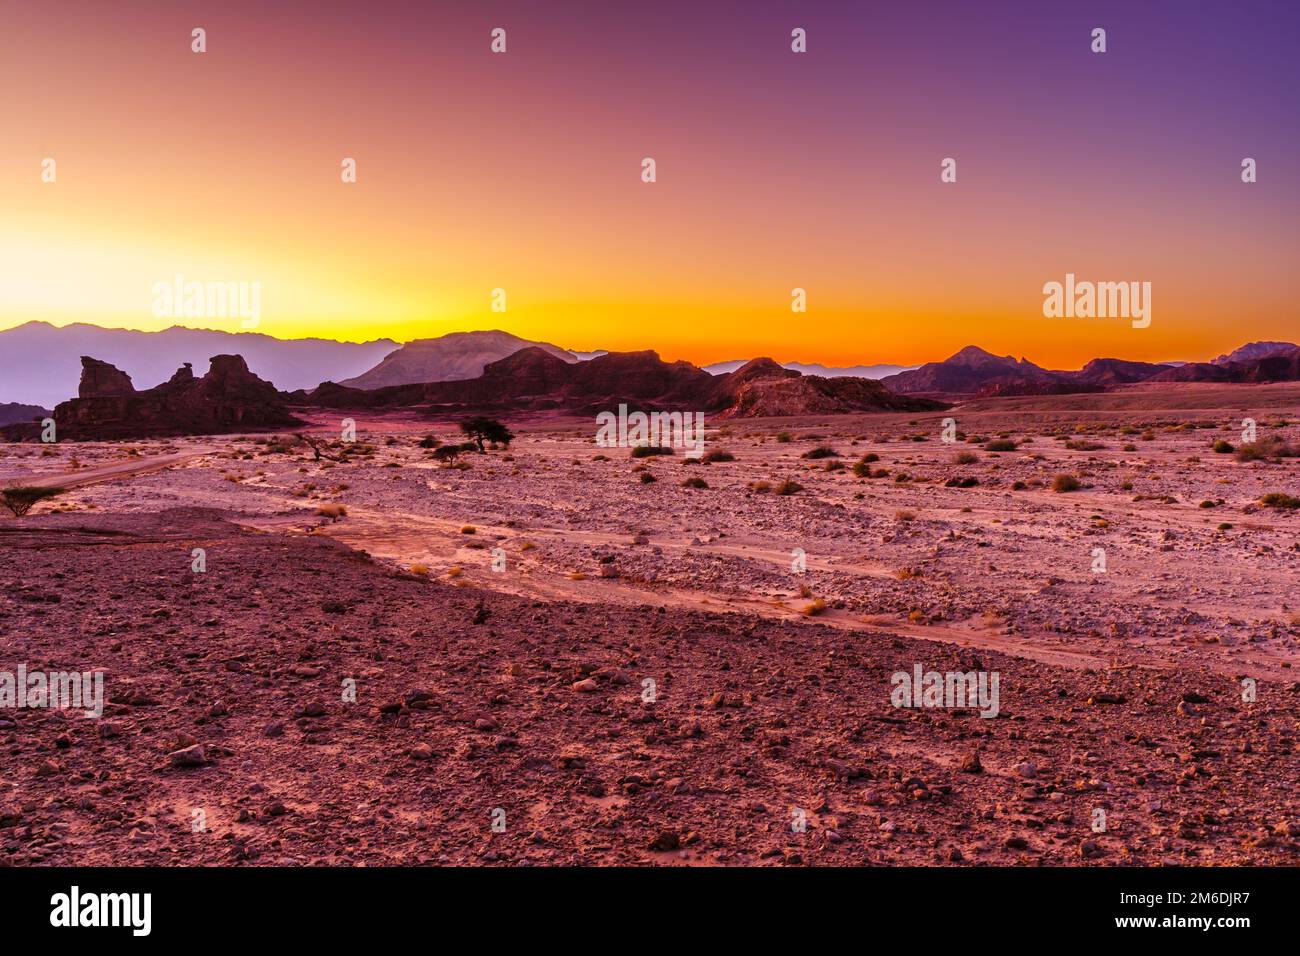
666,841
971,763
188,756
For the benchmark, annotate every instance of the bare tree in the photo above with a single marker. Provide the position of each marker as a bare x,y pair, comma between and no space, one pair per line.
319,447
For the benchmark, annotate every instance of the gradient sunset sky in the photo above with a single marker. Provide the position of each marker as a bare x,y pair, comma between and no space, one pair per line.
775,170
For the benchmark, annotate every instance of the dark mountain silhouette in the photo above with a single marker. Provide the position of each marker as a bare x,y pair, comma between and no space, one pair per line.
39,362
228,398
967,372
1274,367
1110,371
973,371
447,358
12,412
533,379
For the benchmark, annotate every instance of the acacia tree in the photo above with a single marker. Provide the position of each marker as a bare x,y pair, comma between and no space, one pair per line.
319,447
482,429
20,498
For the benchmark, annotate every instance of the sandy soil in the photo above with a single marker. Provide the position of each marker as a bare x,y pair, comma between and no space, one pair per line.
773,686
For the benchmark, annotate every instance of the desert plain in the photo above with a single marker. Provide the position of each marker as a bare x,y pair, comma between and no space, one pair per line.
558,653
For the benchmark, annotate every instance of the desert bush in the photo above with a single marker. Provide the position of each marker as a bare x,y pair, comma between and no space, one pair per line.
468,529
1000,444
760,487
967,482
19,499
1223,447
903,516
784,437
965,458
333,511
1267,448
789,487
1062,483
718,454
816,607
1079,445
695,483
646,451
1277,499
420,569
821,451
647,478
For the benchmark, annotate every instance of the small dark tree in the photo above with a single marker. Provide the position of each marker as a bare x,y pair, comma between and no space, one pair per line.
319,447
446,453
482,429
20,498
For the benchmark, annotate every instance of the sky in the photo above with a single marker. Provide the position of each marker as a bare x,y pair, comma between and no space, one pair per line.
775,170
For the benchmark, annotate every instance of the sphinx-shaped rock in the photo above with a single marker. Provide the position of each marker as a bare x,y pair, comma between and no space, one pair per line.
99,379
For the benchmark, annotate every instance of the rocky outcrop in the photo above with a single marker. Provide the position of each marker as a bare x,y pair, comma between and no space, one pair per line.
228,398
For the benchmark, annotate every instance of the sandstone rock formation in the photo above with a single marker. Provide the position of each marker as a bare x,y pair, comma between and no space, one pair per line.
228,398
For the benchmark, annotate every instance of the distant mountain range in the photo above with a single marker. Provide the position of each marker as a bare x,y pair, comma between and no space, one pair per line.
40,363
850,371
534,379
448,358
975,372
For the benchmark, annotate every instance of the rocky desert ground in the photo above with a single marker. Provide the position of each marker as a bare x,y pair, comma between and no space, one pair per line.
562,653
